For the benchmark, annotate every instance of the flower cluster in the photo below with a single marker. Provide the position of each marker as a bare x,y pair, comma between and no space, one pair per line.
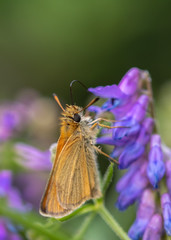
28,115
139,149
14,200
24,118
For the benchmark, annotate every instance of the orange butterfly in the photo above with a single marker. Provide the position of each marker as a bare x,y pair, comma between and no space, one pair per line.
74,178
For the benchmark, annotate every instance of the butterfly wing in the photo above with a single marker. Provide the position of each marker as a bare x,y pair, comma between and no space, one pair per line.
73,178
76,173
49,204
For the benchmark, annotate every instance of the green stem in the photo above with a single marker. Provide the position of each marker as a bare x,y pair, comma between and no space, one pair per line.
112,223
147,80
25,221
80,211
84,226
107,178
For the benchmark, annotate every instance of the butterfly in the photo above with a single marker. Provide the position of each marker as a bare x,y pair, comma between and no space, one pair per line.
74,177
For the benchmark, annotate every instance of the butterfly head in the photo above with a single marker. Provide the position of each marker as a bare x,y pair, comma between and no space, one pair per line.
73,112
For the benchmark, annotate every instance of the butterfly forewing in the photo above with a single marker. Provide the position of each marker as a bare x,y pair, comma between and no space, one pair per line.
76,175
73,179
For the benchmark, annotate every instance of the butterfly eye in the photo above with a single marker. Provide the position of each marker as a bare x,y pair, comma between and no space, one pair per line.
77,117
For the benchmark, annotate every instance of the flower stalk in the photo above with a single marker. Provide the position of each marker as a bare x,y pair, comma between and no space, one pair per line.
112,223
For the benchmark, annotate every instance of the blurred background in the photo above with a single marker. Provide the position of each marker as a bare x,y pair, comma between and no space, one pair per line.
46,44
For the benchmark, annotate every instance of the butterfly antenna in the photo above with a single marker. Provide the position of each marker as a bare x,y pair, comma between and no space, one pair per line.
58,102
72,99
90,103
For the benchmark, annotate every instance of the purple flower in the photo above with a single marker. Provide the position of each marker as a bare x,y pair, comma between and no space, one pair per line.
10,193
156,166
5,182
154,228
166,207
124,181
131,125
5,233
32,158
130,153
132,121
29,112
133,189
146,210
135,149
121,97
129,84
8,121
138,150
32,184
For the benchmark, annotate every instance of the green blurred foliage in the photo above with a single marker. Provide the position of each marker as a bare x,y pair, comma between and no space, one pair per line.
46,44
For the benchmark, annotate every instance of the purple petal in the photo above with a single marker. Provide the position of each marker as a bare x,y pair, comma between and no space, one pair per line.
131,193
131,153
122,109
3,231
5,182
129,84
123,135
137,229
111,104
156,167
146,131
145,211
112,91
116,152
166,207
125,180
15,237
147,204
154,228
32,158
155,140
15,201
105,140
139,109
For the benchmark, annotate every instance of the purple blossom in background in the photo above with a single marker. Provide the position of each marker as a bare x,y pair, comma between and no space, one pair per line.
28,113
156,166
9,120
5,234
14,117
38,164
32,158
14,200
145,211
166,208
12,194
154,228
140,150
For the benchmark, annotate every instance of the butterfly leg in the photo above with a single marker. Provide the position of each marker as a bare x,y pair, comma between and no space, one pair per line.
104,119
105,154
105,126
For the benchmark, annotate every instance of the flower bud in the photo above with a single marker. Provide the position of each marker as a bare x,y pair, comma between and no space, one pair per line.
166,207
154,228
156,167
145,211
